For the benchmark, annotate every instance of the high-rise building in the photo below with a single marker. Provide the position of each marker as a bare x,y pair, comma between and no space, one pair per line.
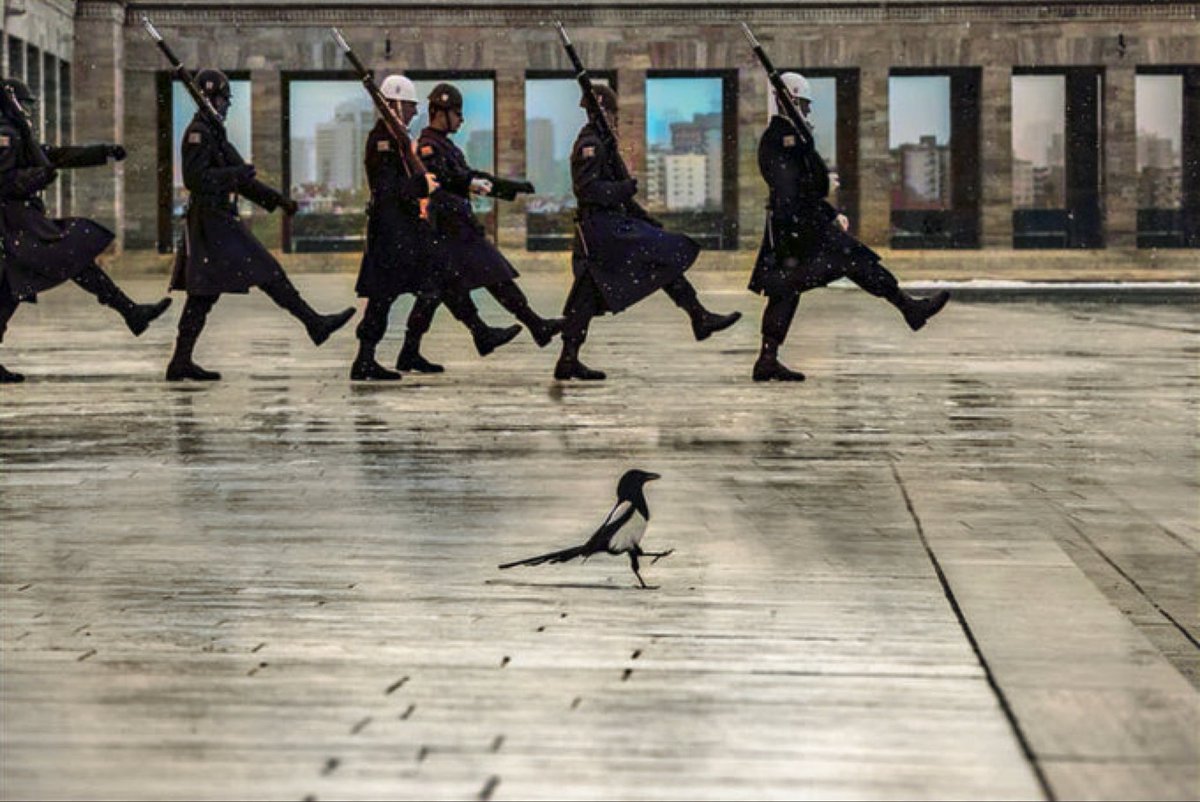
1023,193
481,148
686,181
339,145
925,174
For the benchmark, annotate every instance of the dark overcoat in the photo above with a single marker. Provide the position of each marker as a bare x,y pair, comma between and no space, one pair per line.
802,246
399,257
468,256
37,252
626,252
219,254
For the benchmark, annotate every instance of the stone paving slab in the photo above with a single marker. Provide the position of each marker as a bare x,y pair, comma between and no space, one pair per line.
284,585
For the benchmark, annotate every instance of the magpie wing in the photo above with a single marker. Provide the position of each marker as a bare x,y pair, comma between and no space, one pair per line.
620,514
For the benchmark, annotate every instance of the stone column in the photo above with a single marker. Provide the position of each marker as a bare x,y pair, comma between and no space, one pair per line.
99,107
510,144
752,190
266,146
631,86
874,160
996,153
1120,158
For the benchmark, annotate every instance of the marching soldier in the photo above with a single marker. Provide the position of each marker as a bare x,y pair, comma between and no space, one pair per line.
470,259
400,256
806,244
620,254
37,253
219,254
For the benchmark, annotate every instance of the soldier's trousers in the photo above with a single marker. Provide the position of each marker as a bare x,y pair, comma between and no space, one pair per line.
195,314
585,302
92,279
510,296
374,323
871,276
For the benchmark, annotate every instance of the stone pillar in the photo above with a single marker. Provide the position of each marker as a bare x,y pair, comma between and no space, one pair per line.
266,146
631,86
874,161
752,190
510,144
1120,158
996,145
99,107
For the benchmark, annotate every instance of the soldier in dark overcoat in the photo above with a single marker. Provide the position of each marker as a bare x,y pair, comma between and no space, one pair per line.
807,243
36,252
219,254
401,257
620,254
471,259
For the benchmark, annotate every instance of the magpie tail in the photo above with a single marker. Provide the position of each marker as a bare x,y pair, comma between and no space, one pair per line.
552,557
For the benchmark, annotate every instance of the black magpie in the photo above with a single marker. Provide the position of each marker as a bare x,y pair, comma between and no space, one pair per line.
621,531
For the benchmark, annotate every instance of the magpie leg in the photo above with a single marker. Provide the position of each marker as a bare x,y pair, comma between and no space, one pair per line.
658,555
633,561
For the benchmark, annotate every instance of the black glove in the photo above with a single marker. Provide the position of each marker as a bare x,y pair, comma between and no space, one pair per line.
629,187
246,173
289,206
506,189
116,153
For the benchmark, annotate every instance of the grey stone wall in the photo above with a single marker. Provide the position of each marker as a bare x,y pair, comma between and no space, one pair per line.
875,38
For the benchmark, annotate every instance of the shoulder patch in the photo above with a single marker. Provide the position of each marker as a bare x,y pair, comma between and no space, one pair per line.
194,138
588,151
427,150
383,145
789,141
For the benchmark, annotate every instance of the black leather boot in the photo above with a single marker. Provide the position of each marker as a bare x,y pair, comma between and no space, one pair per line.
917,311
490,338
178,371
366,369
544,329
770,369
569,367
706,323
139,316
322,326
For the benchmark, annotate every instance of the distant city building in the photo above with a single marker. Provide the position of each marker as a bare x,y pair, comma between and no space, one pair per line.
924,174
1022,184
339,145
714,166
1160,172
480,149
655,180
686,179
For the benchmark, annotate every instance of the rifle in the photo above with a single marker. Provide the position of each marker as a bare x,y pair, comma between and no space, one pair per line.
595,113
210,115
782,95
413,166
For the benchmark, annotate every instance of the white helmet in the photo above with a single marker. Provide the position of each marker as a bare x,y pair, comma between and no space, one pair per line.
397,87
797,86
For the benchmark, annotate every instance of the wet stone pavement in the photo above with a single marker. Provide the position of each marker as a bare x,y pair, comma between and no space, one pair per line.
956,564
